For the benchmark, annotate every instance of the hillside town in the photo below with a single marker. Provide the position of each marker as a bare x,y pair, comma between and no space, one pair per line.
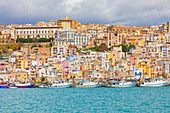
67,49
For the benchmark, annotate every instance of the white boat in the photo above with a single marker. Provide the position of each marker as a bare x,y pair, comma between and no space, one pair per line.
88,85
122,84
19,85
61,85
42,86
26,84
154,83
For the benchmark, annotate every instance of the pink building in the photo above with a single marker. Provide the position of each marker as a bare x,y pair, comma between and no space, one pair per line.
65,67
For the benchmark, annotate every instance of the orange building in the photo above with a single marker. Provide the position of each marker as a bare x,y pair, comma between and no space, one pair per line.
46,50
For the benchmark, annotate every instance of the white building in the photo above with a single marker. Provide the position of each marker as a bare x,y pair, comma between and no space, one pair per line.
34,32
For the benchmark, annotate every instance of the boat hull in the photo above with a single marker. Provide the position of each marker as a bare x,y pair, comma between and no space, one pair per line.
122,85
24,86
88,86
62,85
4,86
153,84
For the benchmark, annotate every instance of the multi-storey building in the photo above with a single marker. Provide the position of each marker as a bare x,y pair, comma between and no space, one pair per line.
71,38
137,40
46,50
123,29
59,50
34,32
4,38
23,63
65,23
164,27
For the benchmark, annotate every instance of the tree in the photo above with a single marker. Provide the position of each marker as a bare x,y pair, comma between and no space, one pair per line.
38,36
131,46
39,45
34,40
17,39
103,48
14,46
43,40
124,48
42,79
28,37
102,44
97,48
51,44
33,46
51,39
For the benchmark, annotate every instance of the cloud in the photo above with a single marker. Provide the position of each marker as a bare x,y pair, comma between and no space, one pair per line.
127,12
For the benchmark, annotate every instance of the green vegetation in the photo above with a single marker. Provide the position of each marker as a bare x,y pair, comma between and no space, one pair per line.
92,49
96,48
31,40
39,45
33,46
14,46
48,46
51,44
42,79
124,47
131,46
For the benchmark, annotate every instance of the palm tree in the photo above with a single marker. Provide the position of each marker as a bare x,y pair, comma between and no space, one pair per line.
28,36
18,37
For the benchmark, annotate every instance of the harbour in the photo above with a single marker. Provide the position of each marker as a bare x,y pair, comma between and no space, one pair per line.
133,99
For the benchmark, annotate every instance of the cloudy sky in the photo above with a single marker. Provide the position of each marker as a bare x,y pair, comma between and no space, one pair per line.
124,12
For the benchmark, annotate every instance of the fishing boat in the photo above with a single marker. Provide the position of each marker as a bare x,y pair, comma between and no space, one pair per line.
154,83
61,85
4,85
26,85
88,85
122,84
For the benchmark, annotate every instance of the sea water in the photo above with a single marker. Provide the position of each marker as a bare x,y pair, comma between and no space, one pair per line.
88,100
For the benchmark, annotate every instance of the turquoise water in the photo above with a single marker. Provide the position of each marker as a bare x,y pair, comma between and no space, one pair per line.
87,100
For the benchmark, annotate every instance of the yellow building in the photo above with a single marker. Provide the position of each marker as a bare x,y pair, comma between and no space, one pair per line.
77,75
148,71
110,57
57,66
65,23
23,76
23,63
44,59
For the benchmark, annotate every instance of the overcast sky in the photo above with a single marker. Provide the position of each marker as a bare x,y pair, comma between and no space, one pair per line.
121,12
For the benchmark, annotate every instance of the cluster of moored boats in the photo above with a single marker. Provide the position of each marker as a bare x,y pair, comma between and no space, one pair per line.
89,84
